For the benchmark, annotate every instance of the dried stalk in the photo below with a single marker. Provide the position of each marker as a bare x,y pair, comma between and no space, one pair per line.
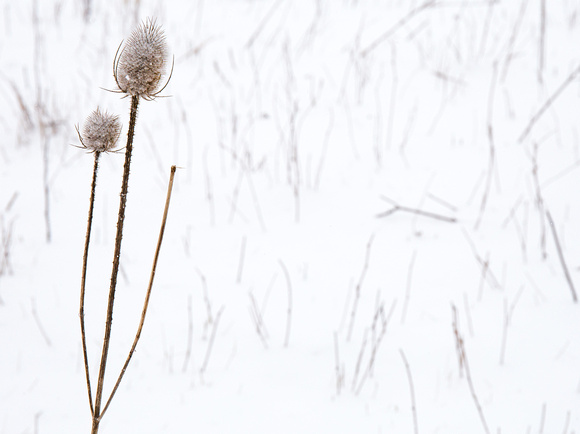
359,286
116,260
412,391
561,256
149,288
289,308
396,207
491,142
211,341
460,346
84,278
548,103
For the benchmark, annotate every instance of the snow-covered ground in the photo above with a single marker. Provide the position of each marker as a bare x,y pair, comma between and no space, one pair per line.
358,190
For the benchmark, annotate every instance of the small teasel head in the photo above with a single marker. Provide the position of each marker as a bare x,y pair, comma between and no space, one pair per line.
100,132
141,64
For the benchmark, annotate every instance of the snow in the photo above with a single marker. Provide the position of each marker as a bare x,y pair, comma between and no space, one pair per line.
295,127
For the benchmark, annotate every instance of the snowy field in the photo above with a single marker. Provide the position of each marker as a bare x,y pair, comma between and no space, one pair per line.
359,237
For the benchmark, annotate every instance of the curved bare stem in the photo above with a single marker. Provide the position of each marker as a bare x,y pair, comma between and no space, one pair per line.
148,295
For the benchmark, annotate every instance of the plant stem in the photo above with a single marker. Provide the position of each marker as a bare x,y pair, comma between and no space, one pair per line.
561,256
148,295
84,278
116,258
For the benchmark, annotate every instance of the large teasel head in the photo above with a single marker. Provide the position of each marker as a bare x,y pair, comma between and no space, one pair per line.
100,132
141,64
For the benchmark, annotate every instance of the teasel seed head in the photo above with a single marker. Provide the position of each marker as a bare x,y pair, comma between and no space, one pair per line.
141,64
100,132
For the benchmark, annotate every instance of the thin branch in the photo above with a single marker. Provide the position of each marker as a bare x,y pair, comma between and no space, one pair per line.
516,28
40,325
542,419
539,200
211,341
458,341
359,361
491,142
149,288
484,263
241,260
396,207
376,344
561,256
359,286
548,103
542,41
325,143
506,323
408,291
258,321
289,309
386,35
442,202
209,320
468,314
412,391
337,368
508,313
460,346
262,24
189,334
486,26
84,278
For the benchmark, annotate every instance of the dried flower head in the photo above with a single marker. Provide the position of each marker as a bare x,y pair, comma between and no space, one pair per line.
139,67
100,132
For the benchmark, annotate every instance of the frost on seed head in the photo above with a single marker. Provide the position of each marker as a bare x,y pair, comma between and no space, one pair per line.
141,63
100,131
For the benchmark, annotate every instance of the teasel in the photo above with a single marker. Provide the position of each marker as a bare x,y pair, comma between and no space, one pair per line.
138,70
100,133
141,64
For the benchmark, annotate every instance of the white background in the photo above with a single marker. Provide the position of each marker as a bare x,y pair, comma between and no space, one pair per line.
295,124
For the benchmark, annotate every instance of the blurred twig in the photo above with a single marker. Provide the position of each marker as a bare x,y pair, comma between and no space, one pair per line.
561,256
386,35
396,207
460,346
548,103
412,391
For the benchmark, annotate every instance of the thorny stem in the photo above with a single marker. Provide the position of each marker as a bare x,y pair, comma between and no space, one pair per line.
116,257
148,295
84,279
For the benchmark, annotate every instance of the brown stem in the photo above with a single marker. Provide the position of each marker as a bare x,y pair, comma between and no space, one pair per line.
148,295
116,257
84,278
